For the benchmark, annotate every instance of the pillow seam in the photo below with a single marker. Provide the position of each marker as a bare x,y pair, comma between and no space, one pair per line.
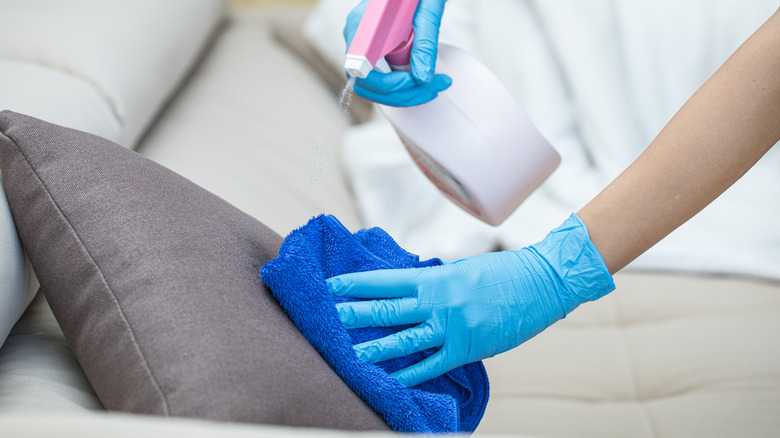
100,272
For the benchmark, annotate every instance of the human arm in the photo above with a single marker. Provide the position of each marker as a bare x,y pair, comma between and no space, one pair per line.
717,136
421,84
713,140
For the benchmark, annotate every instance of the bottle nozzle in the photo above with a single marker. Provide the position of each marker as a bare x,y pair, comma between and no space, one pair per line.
357,66
386,25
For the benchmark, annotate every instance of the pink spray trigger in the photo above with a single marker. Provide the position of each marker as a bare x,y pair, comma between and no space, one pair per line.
386,26
402,55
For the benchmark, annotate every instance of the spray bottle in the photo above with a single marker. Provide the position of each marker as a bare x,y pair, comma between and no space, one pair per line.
473,141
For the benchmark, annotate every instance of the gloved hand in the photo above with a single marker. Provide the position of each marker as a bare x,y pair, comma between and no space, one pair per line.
476,307
402,88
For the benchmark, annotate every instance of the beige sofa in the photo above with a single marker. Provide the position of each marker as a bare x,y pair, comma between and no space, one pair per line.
232,100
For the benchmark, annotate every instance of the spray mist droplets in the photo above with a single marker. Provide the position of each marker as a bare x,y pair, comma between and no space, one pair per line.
345,99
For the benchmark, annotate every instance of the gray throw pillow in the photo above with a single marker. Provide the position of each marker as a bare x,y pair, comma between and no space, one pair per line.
155,283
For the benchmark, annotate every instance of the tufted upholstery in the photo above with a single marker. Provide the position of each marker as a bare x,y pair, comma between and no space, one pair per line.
662,356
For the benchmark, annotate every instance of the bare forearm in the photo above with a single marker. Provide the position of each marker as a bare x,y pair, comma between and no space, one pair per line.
717,136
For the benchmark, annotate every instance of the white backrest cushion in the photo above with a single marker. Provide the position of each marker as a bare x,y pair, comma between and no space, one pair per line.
133,52
17,282
56,96
104,67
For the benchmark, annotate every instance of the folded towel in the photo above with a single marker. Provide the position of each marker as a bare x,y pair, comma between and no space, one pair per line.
323,248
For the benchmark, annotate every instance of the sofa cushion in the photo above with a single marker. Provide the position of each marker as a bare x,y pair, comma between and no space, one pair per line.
155,284
251,98
665,355
38,371
116,425
17,281
133,54
57,96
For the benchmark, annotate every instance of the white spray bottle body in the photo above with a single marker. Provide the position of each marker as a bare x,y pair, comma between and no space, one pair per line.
474,142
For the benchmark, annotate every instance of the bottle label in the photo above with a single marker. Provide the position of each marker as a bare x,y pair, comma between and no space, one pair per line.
442,178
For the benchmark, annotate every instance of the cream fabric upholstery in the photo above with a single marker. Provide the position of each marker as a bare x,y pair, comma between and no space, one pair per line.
133,53
273,133
17,281
662,356
99,425
38,371
56,95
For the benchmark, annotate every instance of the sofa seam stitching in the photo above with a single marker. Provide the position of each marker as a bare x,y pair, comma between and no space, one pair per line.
102,277
101,91
632,369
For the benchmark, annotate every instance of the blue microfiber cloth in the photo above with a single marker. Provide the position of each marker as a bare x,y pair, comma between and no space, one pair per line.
324,248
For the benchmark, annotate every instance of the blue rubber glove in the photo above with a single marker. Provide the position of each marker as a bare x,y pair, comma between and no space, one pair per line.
476,307
402,88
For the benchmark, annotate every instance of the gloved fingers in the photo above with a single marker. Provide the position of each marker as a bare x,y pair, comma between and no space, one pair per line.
427,21
403,99
386,83
399,81
416,95
429,368
388,283
403,343
353,20
381,313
